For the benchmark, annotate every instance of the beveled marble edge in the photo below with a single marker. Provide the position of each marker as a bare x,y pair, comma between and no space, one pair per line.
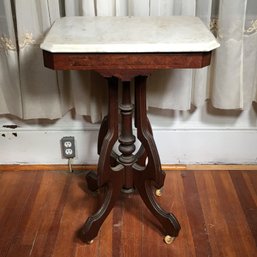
124,48
72,45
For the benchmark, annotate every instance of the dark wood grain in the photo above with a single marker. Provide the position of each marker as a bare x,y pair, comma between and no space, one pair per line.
132,61
125,66
42,211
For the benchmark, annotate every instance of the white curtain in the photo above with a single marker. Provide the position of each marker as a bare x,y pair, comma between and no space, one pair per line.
28,90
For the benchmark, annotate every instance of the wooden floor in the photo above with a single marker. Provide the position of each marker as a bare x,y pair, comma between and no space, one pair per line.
41,211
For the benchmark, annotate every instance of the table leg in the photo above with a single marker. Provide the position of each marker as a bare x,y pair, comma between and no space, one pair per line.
102,133
127,171
141,155
106,175
91,177
150,173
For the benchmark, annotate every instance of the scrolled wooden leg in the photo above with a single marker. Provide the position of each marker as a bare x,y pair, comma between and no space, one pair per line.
105,145
102,133
150,173
141,154
168,221
105,176
92,225
145,135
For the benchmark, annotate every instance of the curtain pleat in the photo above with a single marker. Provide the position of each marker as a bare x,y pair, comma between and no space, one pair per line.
10,92
229,57
28,90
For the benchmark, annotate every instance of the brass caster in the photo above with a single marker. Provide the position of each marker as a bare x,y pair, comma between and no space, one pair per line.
158,192
169,239
90,242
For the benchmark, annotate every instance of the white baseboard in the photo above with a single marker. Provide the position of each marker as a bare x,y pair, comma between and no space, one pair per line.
198,146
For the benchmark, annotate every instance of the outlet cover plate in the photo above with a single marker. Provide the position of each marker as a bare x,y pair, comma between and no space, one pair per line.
68,147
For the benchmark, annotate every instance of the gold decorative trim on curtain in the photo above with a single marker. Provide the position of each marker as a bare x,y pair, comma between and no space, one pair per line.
7,44
252,28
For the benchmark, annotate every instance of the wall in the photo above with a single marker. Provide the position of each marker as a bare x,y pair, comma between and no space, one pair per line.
202,135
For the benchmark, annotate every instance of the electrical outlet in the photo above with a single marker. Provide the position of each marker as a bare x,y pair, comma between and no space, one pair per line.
68,147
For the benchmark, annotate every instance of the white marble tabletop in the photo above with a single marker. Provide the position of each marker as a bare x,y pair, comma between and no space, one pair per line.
129,35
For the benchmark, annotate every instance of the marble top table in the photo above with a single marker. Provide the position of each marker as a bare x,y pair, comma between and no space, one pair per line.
129,35
127,48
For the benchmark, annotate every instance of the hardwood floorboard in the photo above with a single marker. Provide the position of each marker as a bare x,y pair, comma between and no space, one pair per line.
215,224
42,211
132,226
106,237
247,202
174,188
17,244
195,215
55,224
117,225
253,179
82,203
251,186
237,225
14,212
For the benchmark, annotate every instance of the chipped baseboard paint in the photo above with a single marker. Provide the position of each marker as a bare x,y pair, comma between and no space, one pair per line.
21,146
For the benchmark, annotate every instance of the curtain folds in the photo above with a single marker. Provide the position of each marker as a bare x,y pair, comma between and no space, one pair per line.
28,90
